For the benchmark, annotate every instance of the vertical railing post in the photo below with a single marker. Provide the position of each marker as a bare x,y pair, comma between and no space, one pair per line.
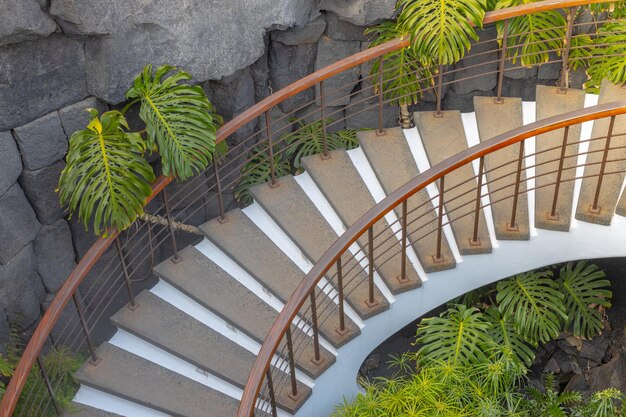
129,288
371,301
505,37
553,215
292,366
176,259
342,319
46,379
220,201
323,114
475,241
594,207
439,91
518,178
571,12
316,337
438,257
270,148
404,242
270,387
81,317
381,130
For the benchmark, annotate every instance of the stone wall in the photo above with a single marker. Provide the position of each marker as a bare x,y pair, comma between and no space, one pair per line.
58,57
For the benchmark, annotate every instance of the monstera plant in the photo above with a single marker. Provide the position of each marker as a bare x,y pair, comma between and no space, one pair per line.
107,178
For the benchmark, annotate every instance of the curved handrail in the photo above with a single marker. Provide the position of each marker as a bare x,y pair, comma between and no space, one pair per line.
63,296
389,203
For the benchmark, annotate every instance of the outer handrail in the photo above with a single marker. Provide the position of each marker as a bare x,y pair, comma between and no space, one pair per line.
61,299
389,203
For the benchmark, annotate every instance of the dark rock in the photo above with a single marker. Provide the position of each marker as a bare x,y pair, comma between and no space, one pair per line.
360,12
342,30
23,20
552,367
594,349
5,330
68,327
612,374
570,345
260,72
362,112
140,249
516,71
551,70
335,117
577,383
566,363
288,64
208,42
372,362
76,117
309,33
212,207
11,166
186,193
18,224
525,89
81,239
40,76
21,290
584,22
338,87
39,187
463,102
477,71
550,347
42,142
55,255
578,78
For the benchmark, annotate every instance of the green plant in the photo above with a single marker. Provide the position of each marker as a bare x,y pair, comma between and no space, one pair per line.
257,170
607,60
506,338
106,179
6,370
603,404
551,403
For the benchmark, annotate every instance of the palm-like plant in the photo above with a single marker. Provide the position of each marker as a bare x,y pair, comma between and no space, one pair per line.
551,403
607,61
585,290
258,171
507,341
106,177
535,304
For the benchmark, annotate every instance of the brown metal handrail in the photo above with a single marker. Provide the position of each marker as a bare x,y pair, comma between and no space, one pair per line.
71,285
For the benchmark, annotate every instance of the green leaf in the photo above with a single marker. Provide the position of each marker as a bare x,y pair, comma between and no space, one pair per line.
458,336
179,118
580,52
106,179
257,171
441,31
608,60
507,339
534,302
585,290
308,139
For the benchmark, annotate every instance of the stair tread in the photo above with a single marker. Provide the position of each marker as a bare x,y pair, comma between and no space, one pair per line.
442,138
346,191
255,252
201,279
136,379
611,183
291,209
548,148
82,410
171,329
495,119
392,161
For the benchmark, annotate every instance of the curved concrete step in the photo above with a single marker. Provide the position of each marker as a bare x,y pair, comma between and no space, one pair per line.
293,211
82,410
255,252
611,182
442,138
551,102
202,280
345,190
133,378
390,157
170,329
495,118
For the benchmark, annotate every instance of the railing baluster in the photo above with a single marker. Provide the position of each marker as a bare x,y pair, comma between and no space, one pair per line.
594,208
571,12
380,131
323,114
552,215
520,159
176,259
81,316
439,91
475,241
129,287
316,336
342,318
371,301
404,242
505,38
270,386
46,379
292,366
270,147
220,200
438,257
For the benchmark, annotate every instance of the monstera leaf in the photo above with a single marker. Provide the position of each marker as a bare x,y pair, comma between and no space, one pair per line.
535,304
179,120
458,336
608,56
441,31
106,178
257,171
585,290
506,339
533,36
